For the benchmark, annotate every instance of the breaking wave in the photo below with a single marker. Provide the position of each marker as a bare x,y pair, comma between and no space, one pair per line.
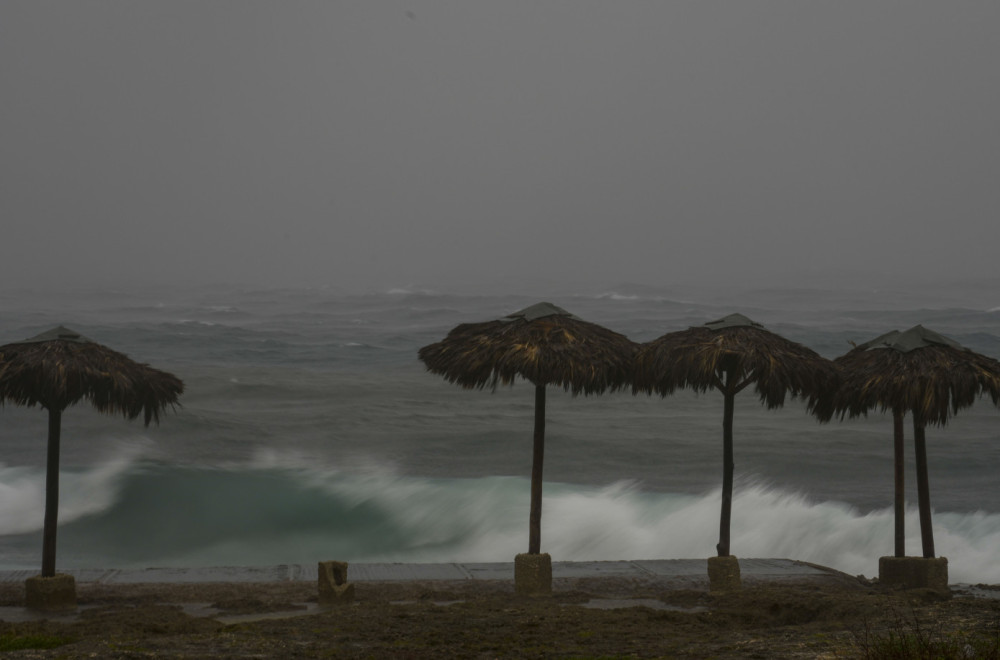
136,513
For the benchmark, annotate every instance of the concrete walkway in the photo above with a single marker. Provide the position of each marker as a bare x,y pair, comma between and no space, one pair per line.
682,570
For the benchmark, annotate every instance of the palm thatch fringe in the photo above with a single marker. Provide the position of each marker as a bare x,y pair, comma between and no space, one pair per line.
933,383
560,350
56,374
697,357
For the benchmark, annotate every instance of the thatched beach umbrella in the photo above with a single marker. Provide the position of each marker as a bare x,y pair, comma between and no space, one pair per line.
58,368
920,372
545,345
728,355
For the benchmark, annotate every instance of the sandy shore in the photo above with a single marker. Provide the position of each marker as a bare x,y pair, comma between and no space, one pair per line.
584,617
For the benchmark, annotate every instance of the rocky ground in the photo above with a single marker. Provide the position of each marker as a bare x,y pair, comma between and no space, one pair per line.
584,618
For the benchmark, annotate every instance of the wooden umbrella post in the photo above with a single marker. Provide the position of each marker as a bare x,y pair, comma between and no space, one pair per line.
533,570
51,495
724,569
537,462
899,503
49,591
923,488
728,467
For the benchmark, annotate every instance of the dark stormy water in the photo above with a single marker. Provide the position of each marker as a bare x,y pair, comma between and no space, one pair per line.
309,430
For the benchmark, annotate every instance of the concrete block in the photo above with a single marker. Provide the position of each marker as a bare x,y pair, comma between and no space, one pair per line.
533,574
50,593
334,588
724,574
914,572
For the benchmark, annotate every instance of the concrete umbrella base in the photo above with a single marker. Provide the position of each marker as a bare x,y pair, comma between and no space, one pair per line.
914,572
724,574
50,593
533,574
334,589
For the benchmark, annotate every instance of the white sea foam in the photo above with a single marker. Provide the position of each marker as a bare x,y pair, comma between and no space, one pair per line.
22,493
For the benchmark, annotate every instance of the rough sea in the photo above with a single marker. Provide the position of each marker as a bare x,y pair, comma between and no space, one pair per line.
310,431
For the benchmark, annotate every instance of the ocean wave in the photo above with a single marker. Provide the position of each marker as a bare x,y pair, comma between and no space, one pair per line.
295,509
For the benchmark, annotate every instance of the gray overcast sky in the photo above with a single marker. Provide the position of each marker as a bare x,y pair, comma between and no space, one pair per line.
371,144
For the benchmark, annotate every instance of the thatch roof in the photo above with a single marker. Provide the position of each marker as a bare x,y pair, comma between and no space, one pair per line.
59,368
543,343
698,357
917,371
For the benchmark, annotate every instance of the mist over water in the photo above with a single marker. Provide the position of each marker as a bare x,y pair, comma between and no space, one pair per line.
310,430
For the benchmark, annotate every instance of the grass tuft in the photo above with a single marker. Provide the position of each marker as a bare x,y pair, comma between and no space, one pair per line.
907,638
22,642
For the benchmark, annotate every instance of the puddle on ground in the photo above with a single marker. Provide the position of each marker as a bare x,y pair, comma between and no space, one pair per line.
202,610
305,610
652,603
22,614
988,591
